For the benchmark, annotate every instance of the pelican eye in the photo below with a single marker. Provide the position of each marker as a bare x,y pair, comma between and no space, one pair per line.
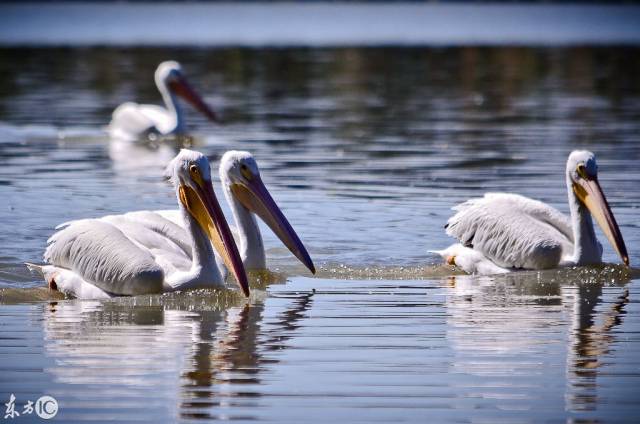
246,172
581,170
194,171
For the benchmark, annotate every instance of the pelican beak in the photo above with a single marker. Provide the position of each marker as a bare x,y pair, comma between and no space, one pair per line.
182,88
202,204
590,194
256,198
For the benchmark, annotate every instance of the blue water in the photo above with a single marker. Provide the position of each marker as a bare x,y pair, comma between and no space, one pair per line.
365,150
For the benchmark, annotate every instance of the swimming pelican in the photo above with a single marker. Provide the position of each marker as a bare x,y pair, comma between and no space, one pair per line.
502,232
141,252
247,196
132,121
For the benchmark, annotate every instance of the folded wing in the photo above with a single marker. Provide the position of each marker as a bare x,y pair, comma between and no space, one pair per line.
102,255
513,231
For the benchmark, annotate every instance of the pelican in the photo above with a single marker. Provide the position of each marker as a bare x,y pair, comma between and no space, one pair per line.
141,252
247,196
503,232
132,121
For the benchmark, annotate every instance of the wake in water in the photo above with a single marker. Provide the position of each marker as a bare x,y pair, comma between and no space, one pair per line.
23,133
607,275
259,281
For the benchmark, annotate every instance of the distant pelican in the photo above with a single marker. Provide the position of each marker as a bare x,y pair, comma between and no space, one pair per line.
503,232
132,121
247,195
141,252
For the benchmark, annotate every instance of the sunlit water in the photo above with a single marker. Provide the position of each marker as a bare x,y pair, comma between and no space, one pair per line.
366,151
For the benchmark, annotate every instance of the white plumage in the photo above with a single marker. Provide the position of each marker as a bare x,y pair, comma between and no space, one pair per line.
132,121
501,232
101,254
512,230
144,252
247,197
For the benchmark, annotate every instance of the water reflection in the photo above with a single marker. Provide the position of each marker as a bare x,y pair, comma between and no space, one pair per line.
517,313
495,347
592,336
214,352
228,359
139,160
366,150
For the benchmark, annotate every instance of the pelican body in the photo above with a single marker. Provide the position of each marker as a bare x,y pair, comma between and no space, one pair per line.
503,232
132,121
141,252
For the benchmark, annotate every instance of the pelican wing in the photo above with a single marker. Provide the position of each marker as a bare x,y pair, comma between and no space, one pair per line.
102,255
512,231
162,233
131,121
128,122
172,215
167,242
171,228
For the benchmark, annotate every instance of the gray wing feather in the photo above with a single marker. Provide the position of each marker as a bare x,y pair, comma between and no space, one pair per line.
134,224
102,255
159,225
512,231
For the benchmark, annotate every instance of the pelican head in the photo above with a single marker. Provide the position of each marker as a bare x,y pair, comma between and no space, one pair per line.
191,175
240,174
169,74
582,173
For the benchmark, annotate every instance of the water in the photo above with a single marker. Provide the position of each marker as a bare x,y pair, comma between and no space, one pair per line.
365,150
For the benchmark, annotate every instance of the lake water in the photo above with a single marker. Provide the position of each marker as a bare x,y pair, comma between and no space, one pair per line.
365,150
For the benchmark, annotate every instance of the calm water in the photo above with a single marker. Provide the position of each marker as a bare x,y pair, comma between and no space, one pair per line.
365,150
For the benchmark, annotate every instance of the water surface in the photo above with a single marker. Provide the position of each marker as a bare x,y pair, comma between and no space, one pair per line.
365,150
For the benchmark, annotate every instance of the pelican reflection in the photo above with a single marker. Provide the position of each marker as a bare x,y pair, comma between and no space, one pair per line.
211,346
499,326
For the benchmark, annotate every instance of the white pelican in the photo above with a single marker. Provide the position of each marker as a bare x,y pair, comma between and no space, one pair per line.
141,252
132,121
502,232
247,195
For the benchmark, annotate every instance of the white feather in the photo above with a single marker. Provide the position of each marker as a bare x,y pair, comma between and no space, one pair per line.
512,231
134,253
469,260
133,121
103,256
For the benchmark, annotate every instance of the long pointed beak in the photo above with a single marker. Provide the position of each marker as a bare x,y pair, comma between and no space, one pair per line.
181,87
204,207
590,194
255,197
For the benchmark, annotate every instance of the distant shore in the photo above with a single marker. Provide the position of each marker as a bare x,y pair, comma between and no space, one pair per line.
316,24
